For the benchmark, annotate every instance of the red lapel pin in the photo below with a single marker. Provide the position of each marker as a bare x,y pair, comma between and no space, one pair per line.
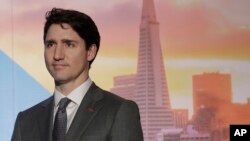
90,108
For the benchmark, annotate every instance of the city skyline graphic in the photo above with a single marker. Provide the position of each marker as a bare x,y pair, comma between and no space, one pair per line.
212,93
186,63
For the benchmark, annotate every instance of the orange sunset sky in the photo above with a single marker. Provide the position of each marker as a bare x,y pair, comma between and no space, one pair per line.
197,36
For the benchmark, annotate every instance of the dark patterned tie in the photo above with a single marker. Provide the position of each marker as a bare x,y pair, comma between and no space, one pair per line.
60,123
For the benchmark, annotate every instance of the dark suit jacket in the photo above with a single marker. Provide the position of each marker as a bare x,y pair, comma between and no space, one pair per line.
102,116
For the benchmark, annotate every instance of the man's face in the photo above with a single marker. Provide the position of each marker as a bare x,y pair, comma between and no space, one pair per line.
65,55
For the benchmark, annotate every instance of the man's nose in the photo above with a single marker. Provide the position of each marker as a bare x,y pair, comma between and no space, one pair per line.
59,53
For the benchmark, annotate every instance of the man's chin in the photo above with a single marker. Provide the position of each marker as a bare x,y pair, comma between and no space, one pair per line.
59,81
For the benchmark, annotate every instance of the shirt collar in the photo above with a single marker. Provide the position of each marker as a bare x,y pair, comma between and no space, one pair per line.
76,95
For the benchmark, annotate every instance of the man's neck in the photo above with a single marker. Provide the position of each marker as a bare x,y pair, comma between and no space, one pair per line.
66,88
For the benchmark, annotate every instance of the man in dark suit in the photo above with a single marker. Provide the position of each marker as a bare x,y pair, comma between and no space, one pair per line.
79,110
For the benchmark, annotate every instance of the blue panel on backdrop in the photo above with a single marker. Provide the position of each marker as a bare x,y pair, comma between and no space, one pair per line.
18,91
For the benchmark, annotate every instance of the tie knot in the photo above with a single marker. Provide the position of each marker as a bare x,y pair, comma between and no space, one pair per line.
63,103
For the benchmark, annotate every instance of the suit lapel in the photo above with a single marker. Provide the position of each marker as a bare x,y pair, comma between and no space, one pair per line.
85,113
45,118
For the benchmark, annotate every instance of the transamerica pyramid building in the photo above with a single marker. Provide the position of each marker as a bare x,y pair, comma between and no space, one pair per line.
151,87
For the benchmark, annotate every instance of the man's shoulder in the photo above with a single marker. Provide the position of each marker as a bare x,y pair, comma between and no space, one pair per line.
110,96
118,105
36,107
114,99
98,93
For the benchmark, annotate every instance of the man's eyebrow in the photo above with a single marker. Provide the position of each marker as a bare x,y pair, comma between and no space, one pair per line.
68,41
49,41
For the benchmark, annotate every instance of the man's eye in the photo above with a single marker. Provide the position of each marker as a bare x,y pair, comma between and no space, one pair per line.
70,44
48,45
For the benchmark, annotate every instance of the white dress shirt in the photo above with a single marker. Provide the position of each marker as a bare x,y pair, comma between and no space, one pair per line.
75,96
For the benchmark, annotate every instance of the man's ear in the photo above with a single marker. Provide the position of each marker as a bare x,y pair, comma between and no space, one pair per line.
91,52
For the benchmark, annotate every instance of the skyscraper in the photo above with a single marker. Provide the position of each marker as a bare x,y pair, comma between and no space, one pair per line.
211,90
213,110
151,87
